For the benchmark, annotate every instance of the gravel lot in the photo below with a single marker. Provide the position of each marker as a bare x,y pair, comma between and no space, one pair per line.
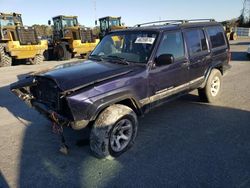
185,143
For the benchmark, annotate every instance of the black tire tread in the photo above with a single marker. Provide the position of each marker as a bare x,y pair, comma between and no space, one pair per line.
99,137
5,59
66,53
38,59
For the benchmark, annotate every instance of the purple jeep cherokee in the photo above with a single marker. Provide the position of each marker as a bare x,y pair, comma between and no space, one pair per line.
130,72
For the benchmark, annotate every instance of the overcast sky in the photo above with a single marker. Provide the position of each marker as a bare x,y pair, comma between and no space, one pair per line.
131,11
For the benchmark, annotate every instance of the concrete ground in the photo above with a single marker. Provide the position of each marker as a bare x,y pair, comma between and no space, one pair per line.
185,143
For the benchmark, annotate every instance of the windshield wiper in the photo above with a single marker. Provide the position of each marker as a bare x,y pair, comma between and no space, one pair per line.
117,59
95,57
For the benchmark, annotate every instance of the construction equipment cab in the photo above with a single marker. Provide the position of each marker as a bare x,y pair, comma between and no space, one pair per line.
70,39
19,42
109,23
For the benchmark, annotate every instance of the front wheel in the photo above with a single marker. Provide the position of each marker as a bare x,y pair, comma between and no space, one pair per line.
211,92
61,52
114,131
38,59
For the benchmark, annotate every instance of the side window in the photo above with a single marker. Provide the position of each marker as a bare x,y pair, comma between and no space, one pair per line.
216,35
196,41
172,43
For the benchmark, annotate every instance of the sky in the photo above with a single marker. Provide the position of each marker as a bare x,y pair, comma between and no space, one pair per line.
131,11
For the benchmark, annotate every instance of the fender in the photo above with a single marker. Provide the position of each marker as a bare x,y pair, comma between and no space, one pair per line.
222,67
106,101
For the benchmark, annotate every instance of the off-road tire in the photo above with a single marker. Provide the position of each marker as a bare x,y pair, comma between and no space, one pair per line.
206,93
5,59
105,124
38,59
61,52
48,55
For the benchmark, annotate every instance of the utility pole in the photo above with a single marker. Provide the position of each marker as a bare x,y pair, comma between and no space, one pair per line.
94,1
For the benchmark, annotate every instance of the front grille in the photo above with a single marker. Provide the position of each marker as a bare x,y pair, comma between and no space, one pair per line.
27,36
47,92
87,35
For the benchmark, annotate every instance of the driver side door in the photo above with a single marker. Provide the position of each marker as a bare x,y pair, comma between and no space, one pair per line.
167,79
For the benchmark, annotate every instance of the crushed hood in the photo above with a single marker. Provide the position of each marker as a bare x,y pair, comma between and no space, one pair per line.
76,76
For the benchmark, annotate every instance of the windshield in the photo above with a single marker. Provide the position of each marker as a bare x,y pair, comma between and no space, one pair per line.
69,22
130,46
7,21
114,22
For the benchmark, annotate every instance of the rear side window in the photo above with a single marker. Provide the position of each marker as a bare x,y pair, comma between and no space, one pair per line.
172,43
216,35
196,41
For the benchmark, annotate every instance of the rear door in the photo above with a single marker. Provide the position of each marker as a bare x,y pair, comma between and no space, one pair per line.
219,44
199,54
168,79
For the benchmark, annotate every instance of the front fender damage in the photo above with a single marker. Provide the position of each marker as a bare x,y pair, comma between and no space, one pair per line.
22,90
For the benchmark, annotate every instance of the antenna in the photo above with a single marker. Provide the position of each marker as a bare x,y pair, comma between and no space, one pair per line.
94,1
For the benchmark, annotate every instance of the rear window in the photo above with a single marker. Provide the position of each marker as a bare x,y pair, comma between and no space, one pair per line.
216,35
196,41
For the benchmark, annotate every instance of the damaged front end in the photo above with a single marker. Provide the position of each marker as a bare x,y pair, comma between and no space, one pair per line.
46,97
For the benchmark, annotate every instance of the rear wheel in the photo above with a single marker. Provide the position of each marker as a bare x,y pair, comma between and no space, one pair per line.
211,92
38,59
61,52
114,131
5,59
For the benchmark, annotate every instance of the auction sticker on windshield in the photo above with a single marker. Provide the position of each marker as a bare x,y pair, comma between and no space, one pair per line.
145,40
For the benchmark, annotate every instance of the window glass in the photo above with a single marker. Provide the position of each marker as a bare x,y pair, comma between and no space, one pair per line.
57,24
172,43
131,46
203,40
69,22
196,41
7,21
216,35
114,23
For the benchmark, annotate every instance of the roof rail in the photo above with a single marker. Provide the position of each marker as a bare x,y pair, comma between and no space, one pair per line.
166,22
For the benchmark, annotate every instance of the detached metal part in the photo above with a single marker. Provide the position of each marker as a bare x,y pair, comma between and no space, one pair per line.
21,89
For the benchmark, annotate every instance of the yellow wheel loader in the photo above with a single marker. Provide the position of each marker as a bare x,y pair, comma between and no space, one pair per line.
70,39
19,42
109,23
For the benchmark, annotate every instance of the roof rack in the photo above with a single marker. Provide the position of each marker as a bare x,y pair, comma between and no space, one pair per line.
167,22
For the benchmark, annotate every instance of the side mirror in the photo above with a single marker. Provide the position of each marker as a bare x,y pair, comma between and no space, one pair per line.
164,59
96,23
49,22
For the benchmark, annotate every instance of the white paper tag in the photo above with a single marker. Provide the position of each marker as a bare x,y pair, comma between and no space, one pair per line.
145,40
